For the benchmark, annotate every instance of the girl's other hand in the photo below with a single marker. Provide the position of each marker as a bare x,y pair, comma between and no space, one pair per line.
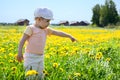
19,57
73,39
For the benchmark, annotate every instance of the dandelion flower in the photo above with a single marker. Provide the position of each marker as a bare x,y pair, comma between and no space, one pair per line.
2,50
11,61
108,59
14,68
55,65
1,63
10,54
3,69
31,72
45,72
77,74
61,69
99,55
47,56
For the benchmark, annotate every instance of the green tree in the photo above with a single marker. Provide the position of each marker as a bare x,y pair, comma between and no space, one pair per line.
119,18
113,16
103,16
119,15
96,15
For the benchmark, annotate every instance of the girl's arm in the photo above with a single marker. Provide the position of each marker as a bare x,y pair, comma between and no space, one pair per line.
63,34
22,42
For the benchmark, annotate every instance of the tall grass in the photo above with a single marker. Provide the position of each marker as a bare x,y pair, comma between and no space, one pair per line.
96,55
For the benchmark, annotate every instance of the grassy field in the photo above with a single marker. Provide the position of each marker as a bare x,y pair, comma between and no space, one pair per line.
96,55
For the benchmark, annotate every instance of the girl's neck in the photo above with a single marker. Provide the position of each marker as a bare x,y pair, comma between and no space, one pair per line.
36,25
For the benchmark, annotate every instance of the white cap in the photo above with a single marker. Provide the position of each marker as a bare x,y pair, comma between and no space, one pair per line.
43,12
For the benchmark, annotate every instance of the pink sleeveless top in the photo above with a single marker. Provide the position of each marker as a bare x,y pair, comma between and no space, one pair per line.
36,42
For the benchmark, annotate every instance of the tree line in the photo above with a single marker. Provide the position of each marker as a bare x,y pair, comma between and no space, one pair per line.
104,15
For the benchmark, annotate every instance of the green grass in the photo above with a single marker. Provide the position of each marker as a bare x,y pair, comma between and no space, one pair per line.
75,61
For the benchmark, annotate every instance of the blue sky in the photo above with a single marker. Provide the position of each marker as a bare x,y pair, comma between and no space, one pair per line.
71,10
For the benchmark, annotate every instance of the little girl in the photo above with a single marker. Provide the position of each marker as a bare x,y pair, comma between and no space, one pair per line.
35,36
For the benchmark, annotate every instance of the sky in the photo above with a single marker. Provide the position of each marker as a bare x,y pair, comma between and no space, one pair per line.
70,10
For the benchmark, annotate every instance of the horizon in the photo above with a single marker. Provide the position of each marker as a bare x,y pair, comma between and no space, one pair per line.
63,10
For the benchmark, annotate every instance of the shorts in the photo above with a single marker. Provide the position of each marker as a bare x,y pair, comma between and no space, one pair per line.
34,62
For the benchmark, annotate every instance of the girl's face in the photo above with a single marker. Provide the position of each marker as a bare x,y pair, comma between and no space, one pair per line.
43,23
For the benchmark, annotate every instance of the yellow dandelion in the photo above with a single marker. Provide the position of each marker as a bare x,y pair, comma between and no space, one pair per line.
1,63
61,69
15,55
3,69
91,55
77,74
13,72
45,72
14,68
98,55
5,56
10,54
87,50
31,72
0,57
11,61
55,65
47,56
2,49
108,59
70,77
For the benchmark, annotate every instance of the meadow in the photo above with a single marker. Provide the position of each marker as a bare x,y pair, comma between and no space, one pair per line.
96,55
